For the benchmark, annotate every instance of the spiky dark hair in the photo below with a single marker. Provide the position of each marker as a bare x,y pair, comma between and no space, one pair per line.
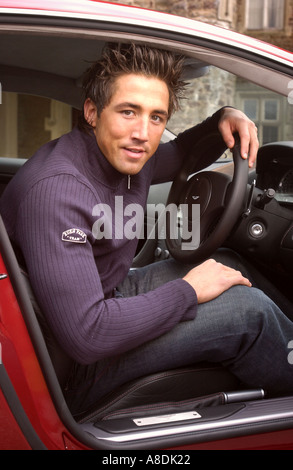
121,59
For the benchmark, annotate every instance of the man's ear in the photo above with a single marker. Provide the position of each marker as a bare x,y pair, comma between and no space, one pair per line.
90,112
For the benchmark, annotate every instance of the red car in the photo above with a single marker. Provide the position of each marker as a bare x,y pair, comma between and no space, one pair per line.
44,49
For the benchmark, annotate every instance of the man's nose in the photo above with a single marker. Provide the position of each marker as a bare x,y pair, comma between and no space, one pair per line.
141,130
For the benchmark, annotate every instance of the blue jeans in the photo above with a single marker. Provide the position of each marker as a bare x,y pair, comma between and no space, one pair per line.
242,329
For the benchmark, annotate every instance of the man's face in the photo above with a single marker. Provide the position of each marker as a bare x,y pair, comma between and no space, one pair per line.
130,127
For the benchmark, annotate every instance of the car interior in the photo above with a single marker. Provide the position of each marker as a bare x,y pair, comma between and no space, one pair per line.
254,217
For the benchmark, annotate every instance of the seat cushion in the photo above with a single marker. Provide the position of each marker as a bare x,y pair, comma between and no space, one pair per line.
163,388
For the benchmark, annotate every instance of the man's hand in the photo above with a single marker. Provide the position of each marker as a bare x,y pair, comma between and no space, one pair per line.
233,120
210,279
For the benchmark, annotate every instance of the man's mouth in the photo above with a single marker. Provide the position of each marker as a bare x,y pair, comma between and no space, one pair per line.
134,152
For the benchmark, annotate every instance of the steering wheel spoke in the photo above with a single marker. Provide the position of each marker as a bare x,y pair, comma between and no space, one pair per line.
219,200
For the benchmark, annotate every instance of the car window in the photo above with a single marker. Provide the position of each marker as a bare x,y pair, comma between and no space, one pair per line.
27,121
205,95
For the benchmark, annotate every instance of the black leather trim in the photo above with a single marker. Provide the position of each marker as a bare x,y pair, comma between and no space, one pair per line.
173,386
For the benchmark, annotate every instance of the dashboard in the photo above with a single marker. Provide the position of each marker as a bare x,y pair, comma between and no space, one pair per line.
284,192
275,170
264,234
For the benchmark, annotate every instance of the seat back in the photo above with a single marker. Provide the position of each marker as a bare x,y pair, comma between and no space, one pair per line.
8,168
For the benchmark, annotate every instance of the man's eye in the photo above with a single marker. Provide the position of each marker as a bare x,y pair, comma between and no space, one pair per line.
157,118
127,112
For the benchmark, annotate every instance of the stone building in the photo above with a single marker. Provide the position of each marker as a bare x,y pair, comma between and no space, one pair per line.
269,20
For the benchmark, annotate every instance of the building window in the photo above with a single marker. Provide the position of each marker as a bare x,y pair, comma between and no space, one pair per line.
265,14
266,114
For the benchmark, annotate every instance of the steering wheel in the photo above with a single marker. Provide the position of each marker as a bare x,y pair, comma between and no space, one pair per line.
220,201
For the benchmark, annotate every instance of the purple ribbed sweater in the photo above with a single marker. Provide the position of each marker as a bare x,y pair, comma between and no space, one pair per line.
55,191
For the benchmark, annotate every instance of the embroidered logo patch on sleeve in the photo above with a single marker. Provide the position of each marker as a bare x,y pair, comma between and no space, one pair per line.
74,235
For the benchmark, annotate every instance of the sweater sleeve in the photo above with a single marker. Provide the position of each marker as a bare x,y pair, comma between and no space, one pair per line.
66,280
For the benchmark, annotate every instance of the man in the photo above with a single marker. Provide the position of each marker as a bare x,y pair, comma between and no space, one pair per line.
118,325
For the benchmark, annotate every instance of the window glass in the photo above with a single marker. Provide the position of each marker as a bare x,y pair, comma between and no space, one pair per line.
27,122
269,111
265,14
251,108
255,14
270,134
